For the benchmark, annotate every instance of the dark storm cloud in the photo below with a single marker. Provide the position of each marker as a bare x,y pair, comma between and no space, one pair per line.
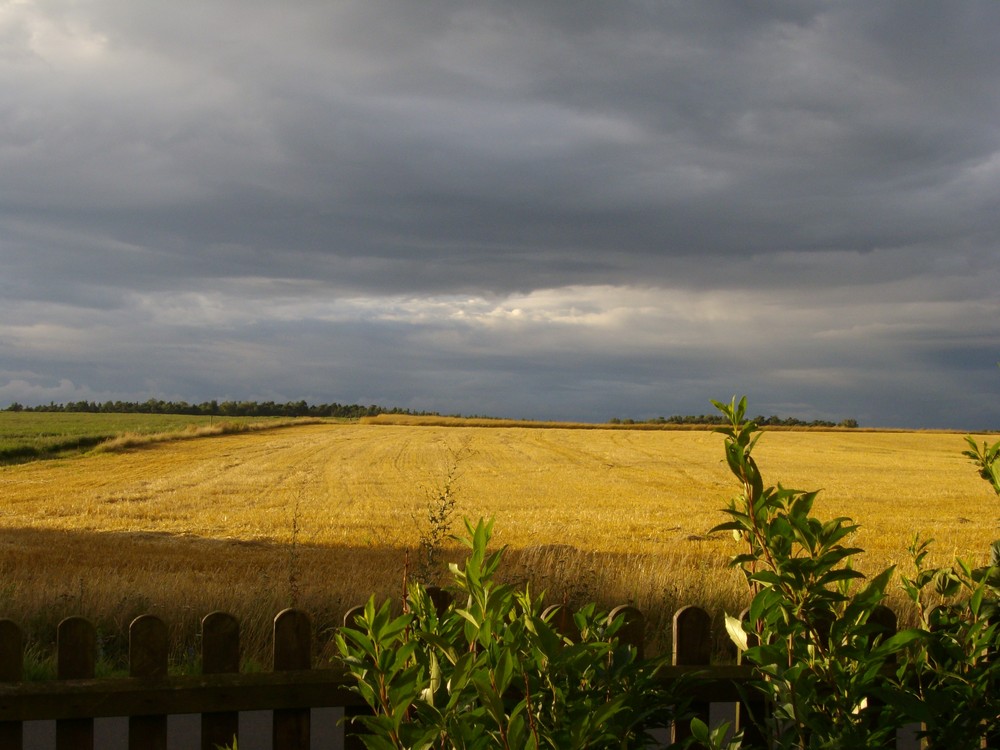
542,208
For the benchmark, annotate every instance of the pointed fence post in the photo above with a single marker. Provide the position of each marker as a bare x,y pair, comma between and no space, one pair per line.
292,650
351,614
885,619
11,670
692,646
561,619
440,597
147,658
220,654
633,629
76,652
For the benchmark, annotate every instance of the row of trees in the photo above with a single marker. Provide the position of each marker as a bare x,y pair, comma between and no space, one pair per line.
762,421
217,408
350,411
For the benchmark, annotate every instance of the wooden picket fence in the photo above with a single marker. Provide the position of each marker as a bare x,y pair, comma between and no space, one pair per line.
293,687
148,695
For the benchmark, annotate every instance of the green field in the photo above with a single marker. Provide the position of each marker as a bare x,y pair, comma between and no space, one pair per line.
27,436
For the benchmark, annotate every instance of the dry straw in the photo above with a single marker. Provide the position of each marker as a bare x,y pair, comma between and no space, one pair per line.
324,514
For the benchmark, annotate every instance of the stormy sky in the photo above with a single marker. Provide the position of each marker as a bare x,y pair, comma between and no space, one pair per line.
559,209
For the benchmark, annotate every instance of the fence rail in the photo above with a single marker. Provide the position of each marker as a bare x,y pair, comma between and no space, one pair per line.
293,687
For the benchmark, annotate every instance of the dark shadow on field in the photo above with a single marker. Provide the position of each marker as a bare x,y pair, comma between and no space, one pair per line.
22,454
112,577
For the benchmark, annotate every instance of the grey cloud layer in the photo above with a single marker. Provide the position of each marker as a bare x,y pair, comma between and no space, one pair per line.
833,165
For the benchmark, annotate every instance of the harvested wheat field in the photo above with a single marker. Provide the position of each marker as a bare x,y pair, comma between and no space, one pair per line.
321,515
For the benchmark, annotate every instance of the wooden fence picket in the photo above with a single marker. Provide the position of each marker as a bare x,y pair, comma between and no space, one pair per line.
560,617
886,619
692,645
293,688
11,670
76,653
440,597
220,654
292,650
633,629
148,649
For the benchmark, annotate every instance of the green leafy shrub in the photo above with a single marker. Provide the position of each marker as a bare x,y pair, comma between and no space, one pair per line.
987,461
832,675
491,670
810,630
950,679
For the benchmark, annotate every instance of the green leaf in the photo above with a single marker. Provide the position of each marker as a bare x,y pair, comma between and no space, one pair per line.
489,698
434,681
766,576
764,601
390,630
699,730
440,642
461,673
504,670
802,505
909,704
465,614
736,632
946,583
976,600
728,526
359,639
840,575
902,639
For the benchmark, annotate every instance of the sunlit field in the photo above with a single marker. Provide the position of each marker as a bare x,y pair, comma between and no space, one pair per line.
322,515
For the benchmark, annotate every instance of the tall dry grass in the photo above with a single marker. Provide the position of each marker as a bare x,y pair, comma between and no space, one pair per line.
128,440
322,515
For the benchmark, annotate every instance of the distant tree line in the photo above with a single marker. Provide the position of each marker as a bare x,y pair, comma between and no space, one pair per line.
762,421
220,408
349,411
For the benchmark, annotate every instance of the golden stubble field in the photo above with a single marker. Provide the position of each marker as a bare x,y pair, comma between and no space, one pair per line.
320,516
